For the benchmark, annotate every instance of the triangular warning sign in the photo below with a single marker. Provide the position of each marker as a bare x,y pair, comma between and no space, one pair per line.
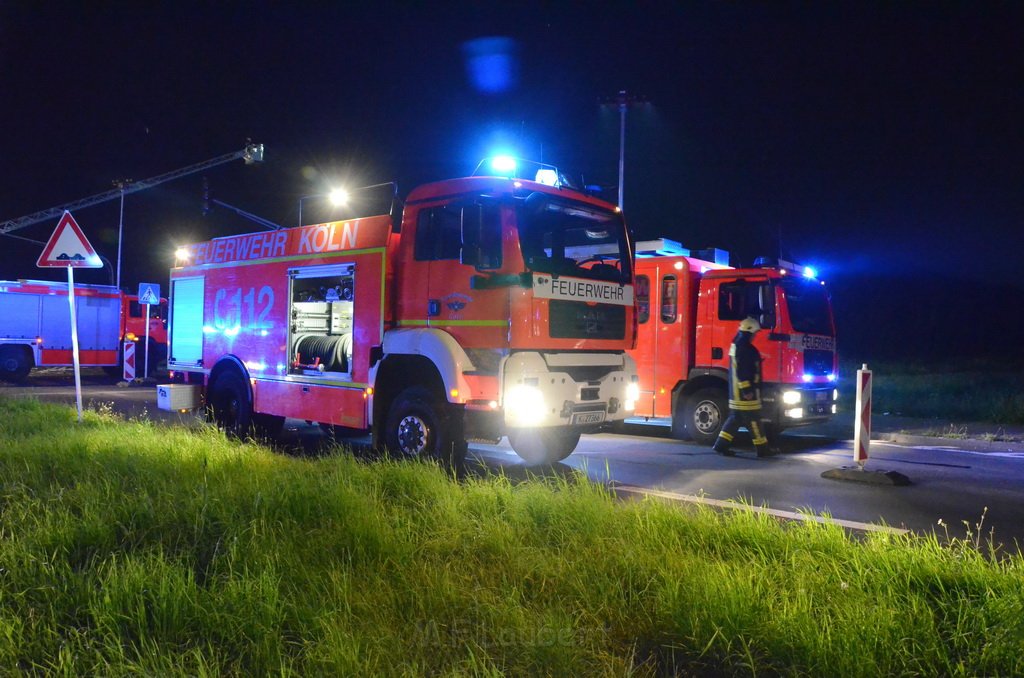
68,246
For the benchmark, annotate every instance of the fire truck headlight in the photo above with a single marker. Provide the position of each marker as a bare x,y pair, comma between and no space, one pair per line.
524,405
795,413
632,395
791,397
835,394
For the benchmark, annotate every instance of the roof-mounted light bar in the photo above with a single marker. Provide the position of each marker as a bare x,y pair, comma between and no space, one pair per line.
512,167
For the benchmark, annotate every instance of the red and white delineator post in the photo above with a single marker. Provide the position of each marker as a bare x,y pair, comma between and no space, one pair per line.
862,422
862,443
129,361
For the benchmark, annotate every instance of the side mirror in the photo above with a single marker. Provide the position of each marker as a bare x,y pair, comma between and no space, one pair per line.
766,300
472,221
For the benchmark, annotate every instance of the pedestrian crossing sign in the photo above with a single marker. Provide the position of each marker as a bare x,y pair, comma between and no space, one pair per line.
149,293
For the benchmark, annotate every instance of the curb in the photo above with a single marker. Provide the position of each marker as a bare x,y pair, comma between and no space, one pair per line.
972,444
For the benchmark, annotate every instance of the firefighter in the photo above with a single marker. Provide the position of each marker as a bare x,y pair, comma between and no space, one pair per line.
744,392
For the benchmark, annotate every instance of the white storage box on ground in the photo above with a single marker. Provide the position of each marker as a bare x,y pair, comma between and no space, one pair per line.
175,397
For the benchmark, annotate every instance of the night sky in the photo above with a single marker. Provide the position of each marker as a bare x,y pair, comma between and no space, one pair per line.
881,142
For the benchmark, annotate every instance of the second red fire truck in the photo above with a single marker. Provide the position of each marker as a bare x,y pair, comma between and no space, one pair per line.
35,326
689,310
489,307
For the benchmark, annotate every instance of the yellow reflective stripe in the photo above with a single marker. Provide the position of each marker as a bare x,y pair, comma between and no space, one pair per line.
297,379
743,384
760,441
745,404
453,323
725,435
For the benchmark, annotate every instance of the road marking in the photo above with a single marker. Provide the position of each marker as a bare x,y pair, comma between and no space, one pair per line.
787,515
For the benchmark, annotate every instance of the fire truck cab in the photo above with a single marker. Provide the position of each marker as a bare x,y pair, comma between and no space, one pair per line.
489,307
689,310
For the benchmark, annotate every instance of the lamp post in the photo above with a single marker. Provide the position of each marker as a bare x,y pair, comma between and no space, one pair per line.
337,196
121,184
623,100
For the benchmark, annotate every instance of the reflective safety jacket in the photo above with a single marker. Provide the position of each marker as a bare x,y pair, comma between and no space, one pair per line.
744,374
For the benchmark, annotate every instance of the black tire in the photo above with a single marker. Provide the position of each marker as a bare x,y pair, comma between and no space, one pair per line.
229,404
116,371
15,363
541,446
704,414
157,358
679,429
418,426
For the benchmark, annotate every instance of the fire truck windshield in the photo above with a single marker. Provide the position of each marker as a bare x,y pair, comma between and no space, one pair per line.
566,237
809,307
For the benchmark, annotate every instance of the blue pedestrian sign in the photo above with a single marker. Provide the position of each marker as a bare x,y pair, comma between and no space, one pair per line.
149,293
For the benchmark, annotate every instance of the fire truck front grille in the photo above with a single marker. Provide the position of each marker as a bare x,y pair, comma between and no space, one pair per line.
817,362
578,320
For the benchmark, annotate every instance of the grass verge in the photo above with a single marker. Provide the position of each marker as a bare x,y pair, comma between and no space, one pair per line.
981,391
129,548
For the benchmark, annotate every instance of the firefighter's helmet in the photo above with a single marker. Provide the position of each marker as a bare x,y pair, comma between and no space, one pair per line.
750,325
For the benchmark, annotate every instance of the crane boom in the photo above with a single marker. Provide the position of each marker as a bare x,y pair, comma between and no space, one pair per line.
252,153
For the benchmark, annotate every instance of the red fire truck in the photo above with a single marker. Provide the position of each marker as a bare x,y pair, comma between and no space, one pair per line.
489,306
689,310
35,326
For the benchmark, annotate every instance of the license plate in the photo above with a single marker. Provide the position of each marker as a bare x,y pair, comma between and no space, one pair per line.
587,418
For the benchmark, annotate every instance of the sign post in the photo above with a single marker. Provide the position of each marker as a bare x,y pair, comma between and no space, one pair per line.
68,247
149,294
862,426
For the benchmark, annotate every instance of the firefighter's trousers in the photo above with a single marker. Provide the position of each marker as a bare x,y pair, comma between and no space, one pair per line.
751,419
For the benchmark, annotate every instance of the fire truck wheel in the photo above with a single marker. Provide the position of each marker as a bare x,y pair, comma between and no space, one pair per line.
706,411
157,357
539,446
418,428
15,363
230,408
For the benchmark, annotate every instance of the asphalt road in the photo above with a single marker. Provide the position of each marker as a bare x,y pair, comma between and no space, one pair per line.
963,488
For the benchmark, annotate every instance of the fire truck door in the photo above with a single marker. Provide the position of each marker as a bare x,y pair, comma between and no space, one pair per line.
738,299
646,353
456,241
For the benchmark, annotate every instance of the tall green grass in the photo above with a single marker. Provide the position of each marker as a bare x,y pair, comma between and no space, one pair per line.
979,390
129,549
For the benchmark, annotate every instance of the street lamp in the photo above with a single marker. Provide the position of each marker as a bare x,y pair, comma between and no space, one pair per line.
343,196
337,197
623,101
121,184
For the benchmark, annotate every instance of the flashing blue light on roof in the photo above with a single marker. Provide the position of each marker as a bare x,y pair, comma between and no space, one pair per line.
810,272
503,164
